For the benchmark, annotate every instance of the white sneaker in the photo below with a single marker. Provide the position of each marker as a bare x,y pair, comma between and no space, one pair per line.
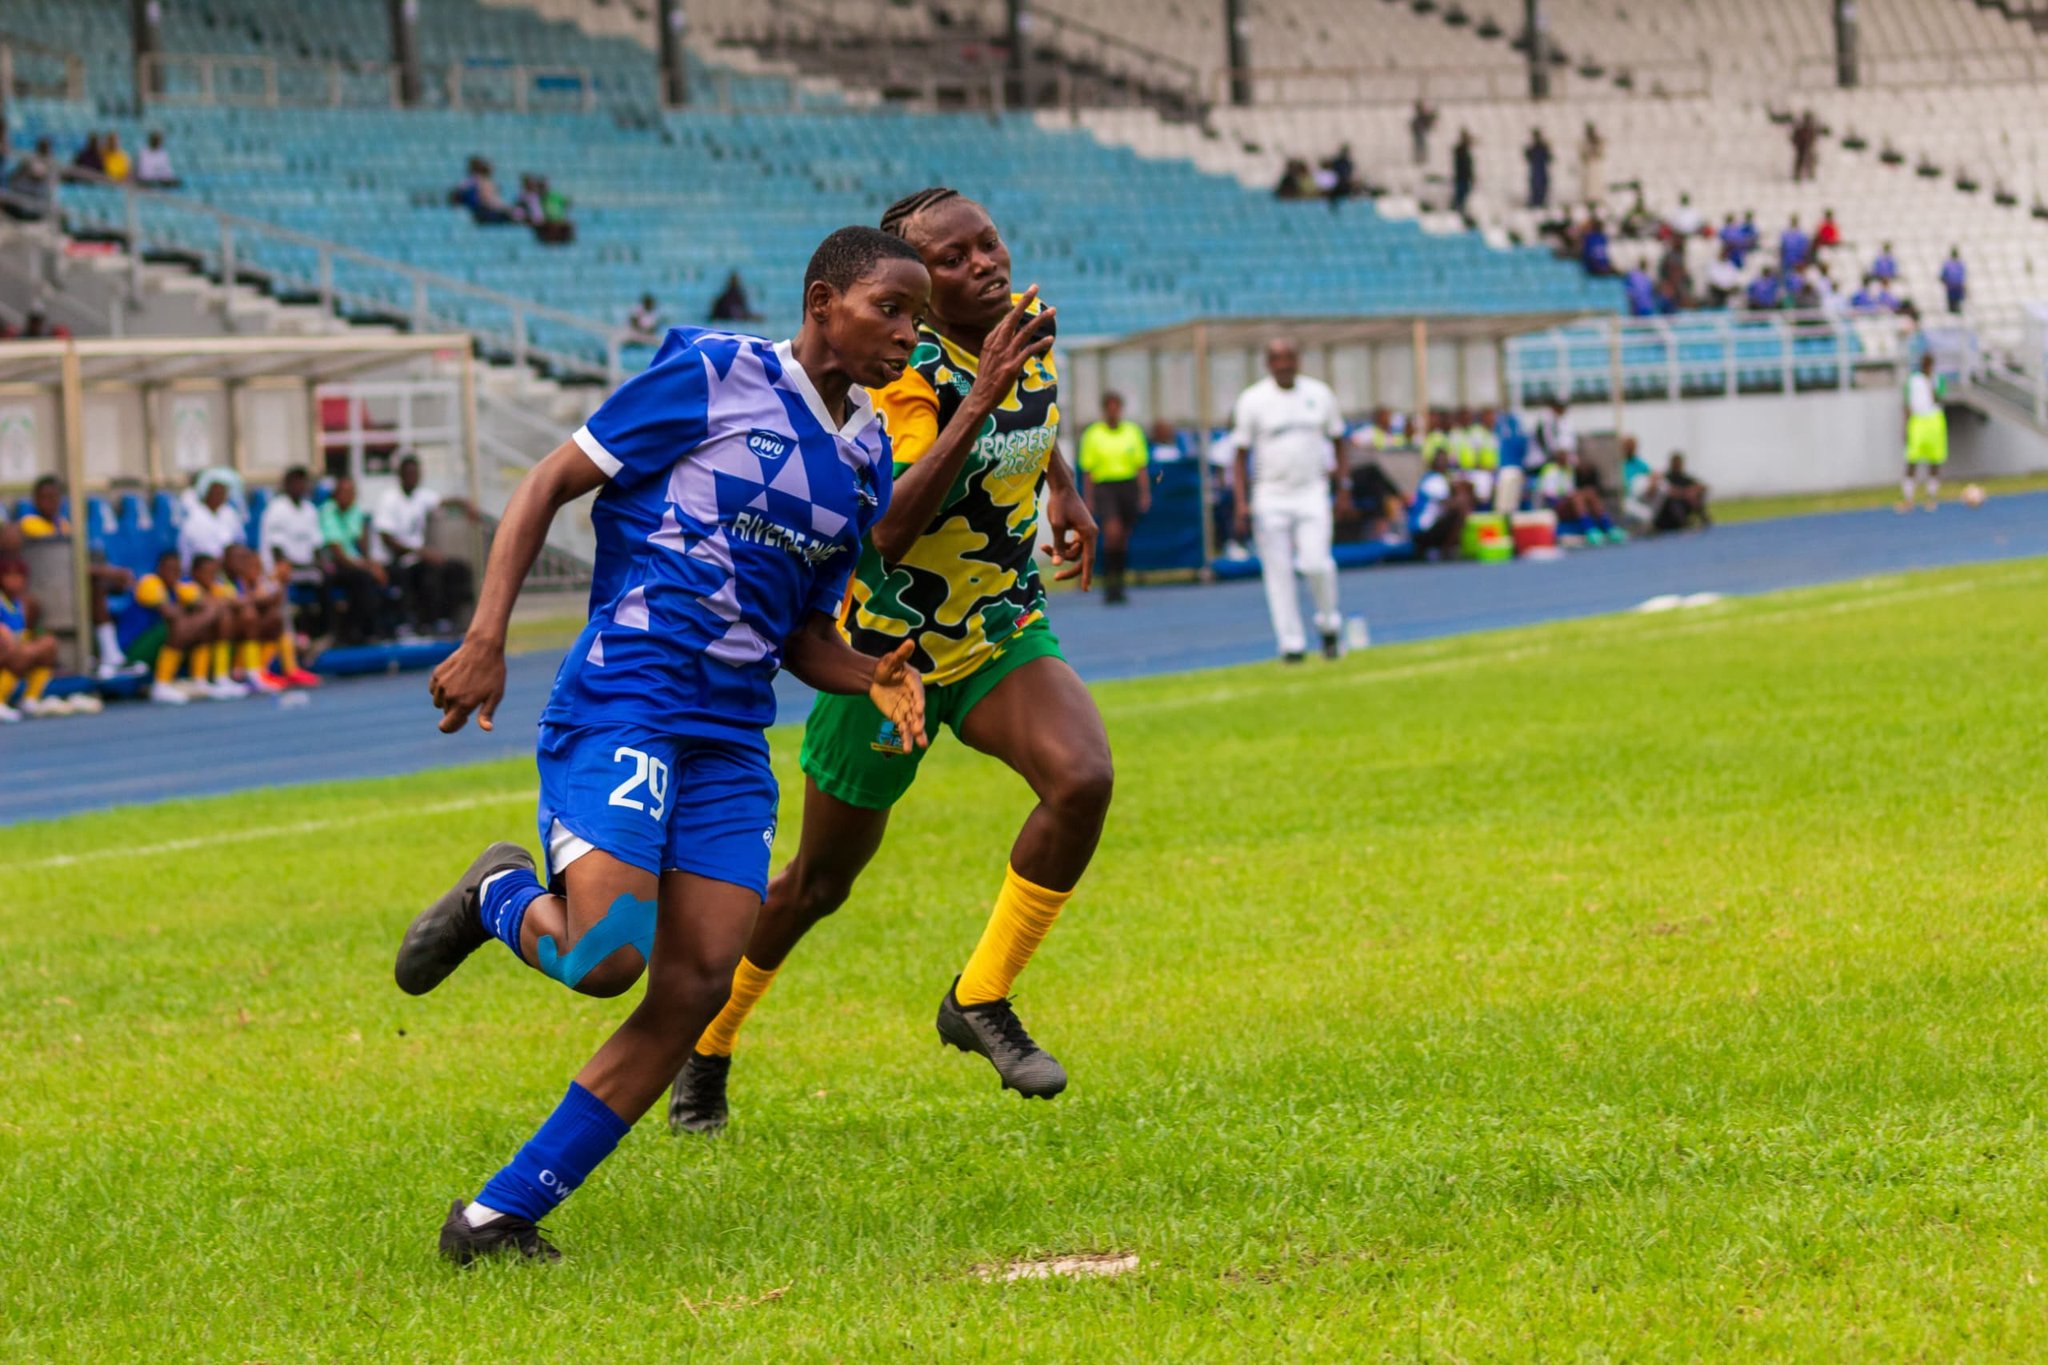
168,693
113,668
44,708
194,689
8,715
227,689
86,704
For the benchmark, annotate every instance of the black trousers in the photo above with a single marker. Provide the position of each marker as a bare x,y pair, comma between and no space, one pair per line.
434,592
360,601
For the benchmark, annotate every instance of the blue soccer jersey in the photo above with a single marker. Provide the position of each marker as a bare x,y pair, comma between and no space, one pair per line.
735,509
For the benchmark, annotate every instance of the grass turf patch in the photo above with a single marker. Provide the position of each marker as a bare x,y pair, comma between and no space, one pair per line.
1636,988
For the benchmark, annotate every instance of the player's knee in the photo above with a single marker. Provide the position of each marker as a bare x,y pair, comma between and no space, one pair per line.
1083,787
816,893
688,990
615,975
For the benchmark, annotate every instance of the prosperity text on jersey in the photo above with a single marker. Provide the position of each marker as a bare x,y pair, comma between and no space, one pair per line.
969,582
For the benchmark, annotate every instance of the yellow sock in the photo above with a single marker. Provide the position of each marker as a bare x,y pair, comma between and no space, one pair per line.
198,660
8,682
749,984
223,658
37,681
1016,927
252,657
167,661
288,652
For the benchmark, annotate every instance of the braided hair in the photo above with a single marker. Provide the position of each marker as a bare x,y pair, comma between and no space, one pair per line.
898,215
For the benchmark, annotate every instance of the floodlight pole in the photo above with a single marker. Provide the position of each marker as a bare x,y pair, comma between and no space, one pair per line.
675,64
1848,59
405,48
1237,45
145,23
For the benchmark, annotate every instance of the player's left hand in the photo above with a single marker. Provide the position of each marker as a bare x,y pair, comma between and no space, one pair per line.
1073,535
898,693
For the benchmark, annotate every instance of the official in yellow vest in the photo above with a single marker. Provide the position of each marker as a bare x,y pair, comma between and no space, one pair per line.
1115,454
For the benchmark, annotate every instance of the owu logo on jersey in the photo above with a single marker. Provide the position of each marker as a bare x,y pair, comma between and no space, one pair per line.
769,445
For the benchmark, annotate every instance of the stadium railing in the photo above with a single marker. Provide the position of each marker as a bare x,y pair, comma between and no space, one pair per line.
1310,86
1697,355
273,82
296,266
32,70
1931,70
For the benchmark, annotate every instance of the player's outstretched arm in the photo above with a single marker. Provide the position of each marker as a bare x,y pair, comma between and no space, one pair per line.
920,490
473,677
820,657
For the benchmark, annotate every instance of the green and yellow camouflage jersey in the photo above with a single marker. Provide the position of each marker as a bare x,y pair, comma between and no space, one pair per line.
969,582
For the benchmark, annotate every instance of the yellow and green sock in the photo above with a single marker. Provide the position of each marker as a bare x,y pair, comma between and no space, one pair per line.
749,984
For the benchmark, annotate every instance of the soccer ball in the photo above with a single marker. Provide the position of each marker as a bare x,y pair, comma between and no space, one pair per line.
1973,495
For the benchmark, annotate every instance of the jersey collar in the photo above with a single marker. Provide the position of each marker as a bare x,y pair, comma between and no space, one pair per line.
860,409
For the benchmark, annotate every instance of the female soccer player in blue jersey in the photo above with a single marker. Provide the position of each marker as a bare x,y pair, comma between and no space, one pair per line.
738,479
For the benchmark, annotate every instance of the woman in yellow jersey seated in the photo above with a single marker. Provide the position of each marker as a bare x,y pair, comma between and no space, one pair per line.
974,425
166,616
27,659
1114,459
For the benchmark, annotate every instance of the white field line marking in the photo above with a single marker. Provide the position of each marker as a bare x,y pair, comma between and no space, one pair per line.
1629,628
242,836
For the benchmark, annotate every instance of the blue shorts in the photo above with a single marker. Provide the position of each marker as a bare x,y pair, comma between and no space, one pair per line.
661,802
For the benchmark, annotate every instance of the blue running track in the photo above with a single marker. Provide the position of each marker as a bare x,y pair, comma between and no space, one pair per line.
381,726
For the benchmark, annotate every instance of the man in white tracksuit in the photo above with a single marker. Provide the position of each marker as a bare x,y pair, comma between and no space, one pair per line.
1290,461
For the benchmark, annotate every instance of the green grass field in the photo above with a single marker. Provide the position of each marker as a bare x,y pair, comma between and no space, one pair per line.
1645,988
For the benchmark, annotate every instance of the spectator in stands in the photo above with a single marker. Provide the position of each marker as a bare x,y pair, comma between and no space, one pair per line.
27,659
357,579
479,193
153,165
33,184
1748,234
45,520
1114,460
1592,166
288,542
87,163
1954,279
1641,490
1343,173
114,163
1375,496
1886,266
1793,246
1864,300
526,208
1436,517
1684,498
643,324
1724,278
1829,233
1641,292
1464,171
1805,147
1638,221
209,520
1297,181
434,589
732,304
553,227
34,327
1555,439
1685,220
1593,250
267,650
1539,156
1766,291
1420,124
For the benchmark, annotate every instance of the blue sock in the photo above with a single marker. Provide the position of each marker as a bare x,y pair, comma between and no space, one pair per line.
1606,524
1574,527
502,907
580,1133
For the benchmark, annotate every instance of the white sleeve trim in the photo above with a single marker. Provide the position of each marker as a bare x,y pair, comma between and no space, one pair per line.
587,442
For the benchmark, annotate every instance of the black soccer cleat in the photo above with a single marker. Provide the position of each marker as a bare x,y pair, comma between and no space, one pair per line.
995,1031
696,1102
1331,648
450,929
1292,656
501,1236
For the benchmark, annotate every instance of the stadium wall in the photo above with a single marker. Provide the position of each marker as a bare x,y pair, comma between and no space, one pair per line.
1808,443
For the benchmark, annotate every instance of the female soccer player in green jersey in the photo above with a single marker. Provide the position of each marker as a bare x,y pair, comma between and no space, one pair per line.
974,423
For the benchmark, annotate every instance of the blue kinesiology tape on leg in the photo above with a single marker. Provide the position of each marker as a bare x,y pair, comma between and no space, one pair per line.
629,923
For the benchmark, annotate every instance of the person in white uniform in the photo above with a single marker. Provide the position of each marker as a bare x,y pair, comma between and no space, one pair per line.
1291,464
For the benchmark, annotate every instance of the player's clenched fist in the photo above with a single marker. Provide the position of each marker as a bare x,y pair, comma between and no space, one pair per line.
470,679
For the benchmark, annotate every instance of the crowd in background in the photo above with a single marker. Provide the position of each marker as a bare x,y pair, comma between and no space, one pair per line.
32,176
234,604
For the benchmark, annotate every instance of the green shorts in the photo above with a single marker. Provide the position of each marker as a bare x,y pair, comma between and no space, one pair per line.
852,753
1927,439
144,648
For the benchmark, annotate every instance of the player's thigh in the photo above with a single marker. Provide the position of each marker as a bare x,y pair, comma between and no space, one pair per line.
701,930
721,823
605,793
837,842
1041,721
